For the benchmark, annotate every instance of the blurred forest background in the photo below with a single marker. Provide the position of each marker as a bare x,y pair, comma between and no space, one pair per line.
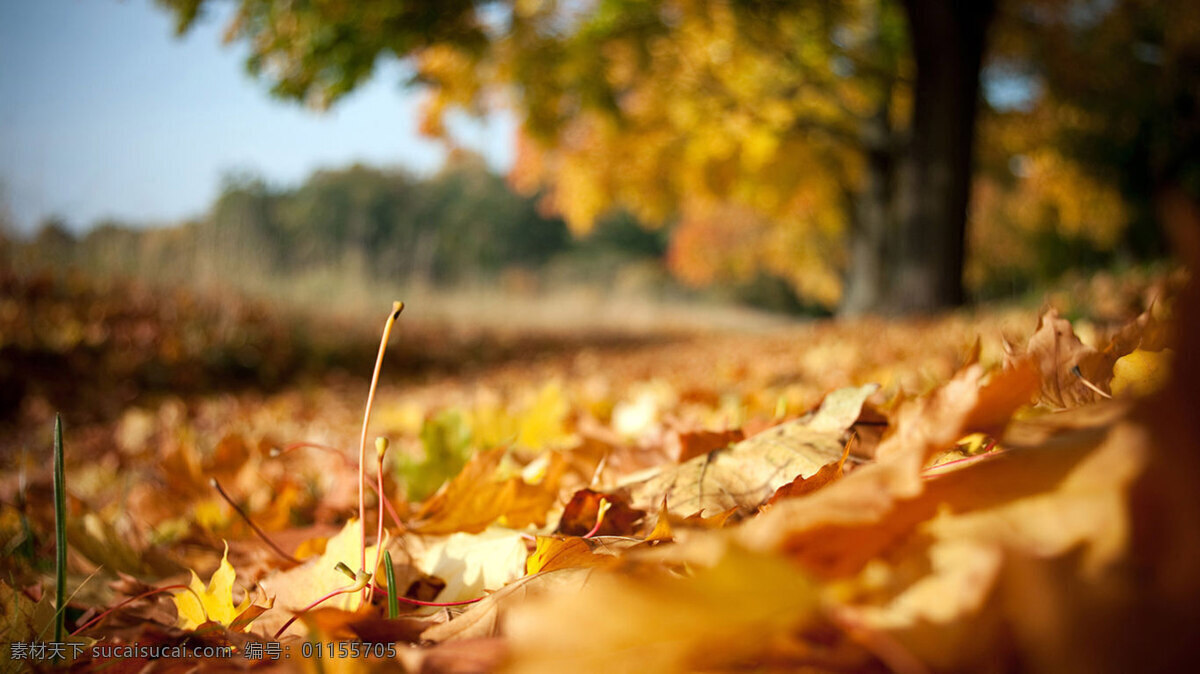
759,153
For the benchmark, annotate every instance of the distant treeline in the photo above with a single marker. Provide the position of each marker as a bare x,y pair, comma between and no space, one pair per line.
461,226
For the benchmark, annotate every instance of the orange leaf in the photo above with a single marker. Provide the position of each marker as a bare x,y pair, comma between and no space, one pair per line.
715,522
475,498
662,528
561,553
697,443
1057,352
802,485
581,512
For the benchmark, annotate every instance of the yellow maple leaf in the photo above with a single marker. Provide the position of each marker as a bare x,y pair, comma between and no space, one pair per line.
478,497
199,604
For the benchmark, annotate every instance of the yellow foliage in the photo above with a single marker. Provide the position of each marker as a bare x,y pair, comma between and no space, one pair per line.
543,424
213,603
539,421
733,610
721,115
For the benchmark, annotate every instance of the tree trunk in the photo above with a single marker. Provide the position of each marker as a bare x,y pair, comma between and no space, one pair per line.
934,178
866,279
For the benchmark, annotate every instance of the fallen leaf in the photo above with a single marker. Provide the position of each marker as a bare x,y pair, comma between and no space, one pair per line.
579,516
725,616
662,526
1141,373
543,423
294,589
446,441
746,474
1058,352
1069,498
471,564
555,552
214,603
872,492
696,443
482,619
102,543
465,656
716,521
478,496
806,485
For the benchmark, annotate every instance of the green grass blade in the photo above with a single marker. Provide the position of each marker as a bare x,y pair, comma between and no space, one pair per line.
60,532
390,574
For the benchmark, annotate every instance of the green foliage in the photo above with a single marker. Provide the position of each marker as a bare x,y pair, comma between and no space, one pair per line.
463,222
1120,80
446,439
393,604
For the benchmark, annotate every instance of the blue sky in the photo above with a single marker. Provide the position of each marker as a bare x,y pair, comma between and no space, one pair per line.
104,113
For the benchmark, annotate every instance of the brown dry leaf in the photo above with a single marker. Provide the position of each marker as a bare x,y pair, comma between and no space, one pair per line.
579,517
1150,331
697,443
726,616
376,629
1068,365
746,474
533,499
1048,502
870,494
331,624
968,403
226,458
844,549
18,618
475,498
806,485
717,521
367,625
337,631
466,656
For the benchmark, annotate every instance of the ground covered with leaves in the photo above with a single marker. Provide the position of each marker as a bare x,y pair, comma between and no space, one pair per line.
996,490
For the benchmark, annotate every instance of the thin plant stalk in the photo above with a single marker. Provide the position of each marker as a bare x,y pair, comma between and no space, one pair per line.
397,307
381,445
60,532
246,518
